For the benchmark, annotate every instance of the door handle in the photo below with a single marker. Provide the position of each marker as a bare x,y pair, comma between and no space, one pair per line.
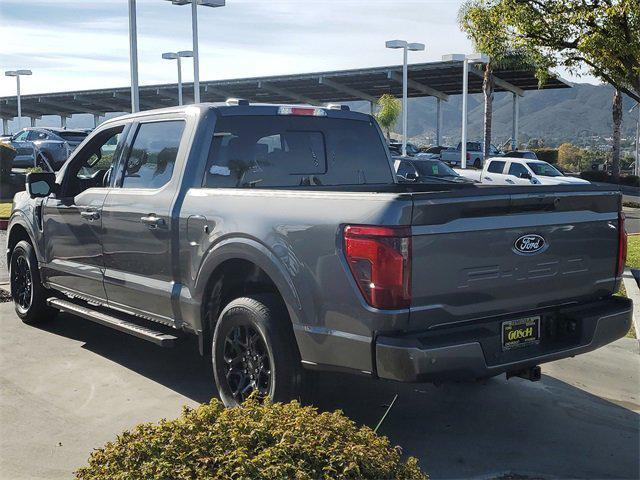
152,221
90,215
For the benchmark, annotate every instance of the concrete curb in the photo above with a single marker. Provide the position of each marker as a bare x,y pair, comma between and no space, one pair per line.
633,292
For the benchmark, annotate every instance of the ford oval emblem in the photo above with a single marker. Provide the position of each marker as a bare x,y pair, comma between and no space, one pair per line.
530,244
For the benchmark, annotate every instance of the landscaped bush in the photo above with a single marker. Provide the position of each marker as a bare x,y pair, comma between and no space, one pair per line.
630,180
256,440
600,176
7,154
549,155
595,176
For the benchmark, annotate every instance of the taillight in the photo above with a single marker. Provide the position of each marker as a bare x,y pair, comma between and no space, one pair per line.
468,156
380,261
622,245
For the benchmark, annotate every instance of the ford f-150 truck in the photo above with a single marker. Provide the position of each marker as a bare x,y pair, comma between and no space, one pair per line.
279,236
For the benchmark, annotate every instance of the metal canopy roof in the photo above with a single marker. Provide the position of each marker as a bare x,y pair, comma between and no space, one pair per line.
439,79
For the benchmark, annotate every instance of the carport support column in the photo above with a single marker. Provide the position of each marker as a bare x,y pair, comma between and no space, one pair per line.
33,121
514,127
63,121
5,126
96,120
438,120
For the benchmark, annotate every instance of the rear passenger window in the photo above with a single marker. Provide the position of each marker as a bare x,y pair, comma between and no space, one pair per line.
517,169
496,167
153,154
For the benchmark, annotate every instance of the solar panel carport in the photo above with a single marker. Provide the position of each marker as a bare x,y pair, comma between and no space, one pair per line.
437,79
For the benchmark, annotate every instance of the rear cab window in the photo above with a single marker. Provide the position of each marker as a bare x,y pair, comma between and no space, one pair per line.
517,169
263,151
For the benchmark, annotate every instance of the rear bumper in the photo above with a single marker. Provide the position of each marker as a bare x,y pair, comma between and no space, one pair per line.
475,350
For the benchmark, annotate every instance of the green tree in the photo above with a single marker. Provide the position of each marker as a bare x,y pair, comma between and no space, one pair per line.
489,37
599,34
388,112
570,156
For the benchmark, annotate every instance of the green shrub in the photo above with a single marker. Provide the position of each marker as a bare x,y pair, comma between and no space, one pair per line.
549,155
7,154
256,440
630,180
595,176
600,176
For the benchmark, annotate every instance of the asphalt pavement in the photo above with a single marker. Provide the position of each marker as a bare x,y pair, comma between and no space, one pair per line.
70,386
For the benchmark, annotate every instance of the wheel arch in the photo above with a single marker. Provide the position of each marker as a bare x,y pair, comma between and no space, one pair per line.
17,232
237,267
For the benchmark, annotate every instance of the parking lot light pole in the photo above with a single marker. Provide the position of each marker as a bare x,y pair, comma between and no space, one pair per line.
194,30
457,57
133,57
177,56
406,47
18,74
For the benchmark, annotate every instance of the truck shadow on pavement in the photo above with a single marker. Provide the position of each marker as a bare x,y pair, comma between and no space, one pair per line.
544,429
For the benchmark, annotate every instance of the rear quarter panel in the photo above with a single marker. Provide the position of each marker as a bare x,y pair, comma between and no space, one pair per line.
295,236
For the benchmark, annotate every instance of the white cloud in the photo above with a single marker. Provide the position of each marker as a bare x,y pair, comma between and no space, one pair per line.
82,44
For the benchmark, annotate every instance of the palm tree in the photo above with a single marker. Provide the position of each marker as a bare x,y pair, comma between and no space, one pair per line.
617,123
489,36
388,112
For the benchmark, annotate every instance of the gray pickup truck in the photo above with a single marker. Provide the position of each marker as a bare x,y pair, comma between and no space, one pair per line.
279,236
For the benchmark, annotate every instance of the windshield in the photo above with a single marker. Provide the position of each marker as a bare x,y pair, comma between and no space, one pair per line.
544,169
434,168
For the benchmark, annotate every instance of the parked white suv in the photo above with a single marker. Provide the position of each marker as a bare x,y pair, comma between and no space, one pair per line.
523,171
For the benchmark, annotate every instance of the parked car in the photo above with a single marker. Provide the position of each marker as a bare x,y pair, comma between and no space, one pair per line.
52,144
518,171
475,155
280,238
521,154
425,170
396,148
432,152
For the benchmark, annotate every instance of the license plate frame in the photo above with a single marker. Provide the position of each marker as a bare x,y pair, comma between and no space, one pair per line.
522,337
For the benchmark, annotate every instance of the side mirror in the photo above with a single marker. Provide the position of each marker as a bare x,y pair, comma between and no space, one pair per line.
526,175
40,184
411,177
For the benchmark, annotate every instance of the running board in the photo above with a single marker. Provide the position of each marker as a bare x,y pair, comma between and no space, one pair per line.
159,338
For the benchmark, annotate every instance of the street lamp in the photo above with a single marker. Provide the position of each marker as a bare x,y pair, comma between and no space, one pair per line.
17,74
177,56
133,57
194,29
414,47
458,57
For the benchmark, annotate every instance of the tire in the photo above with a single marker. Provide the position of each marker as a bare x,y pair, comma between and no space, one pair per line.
29,296
477,164
253,349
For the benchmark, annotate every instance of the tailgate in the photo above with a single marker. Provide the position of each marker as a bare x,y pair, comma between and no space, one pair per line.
492,252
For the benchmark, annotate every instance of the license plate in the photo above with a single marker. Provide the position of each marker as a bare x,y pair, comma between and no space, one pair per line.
521,332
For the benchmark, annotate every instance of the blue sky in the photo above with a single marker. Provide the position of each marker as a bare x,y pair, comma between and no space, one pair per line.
82,44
